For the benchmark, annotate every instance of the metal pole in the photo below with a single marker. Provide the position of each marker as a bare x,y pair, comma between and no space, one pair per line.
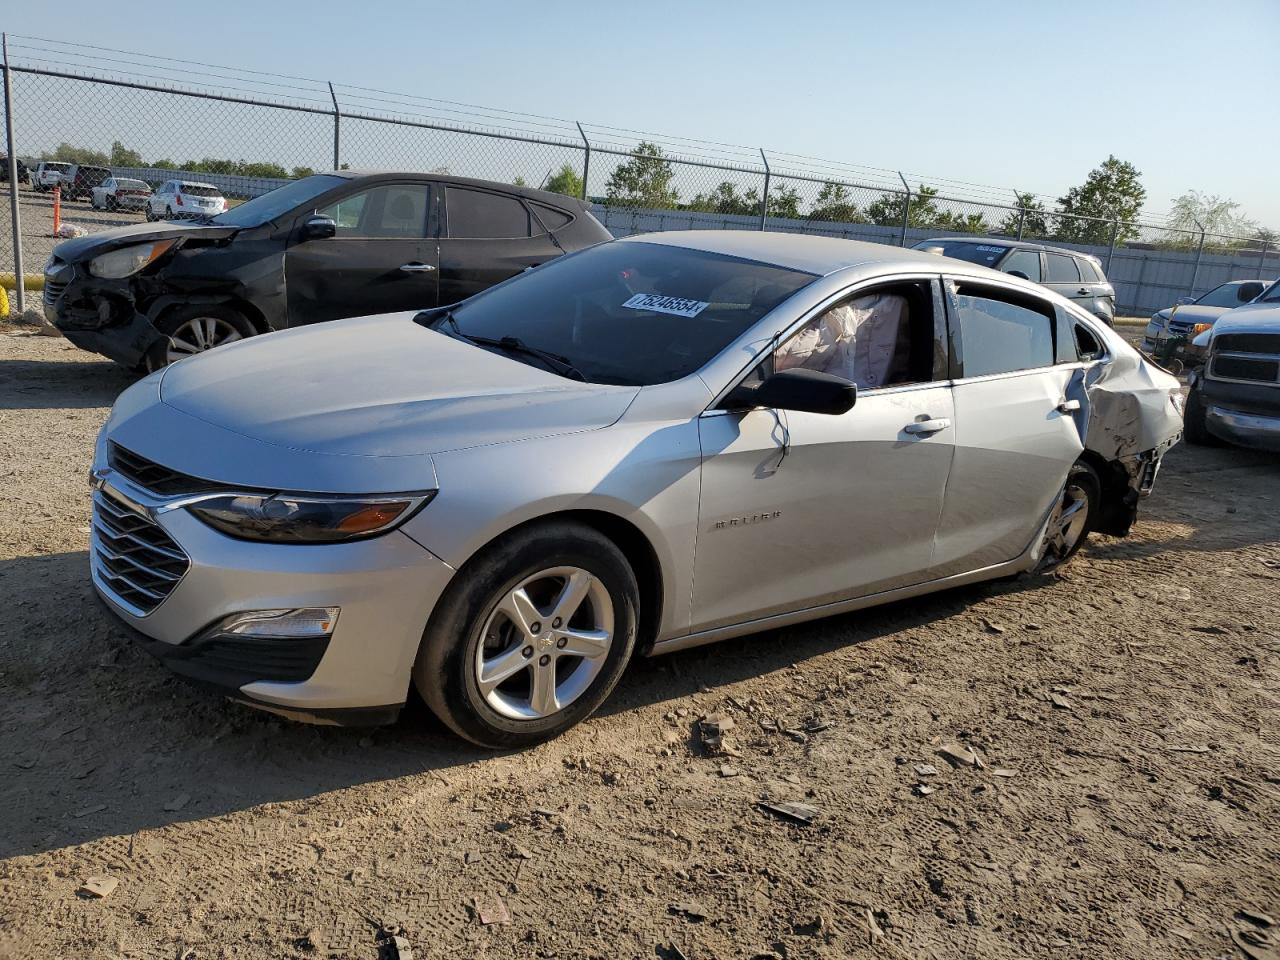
1262,256
337,124
586,160
906,210
1022,221
764,204
1195,273
1115,235
19,285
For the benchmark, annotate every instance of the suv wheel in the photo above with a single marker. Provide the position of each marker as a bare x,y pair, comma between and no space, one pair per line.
197,329
531,636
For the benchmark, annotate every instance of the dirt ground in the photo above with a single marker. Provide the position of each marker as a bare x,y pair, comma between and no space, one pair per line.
1126,713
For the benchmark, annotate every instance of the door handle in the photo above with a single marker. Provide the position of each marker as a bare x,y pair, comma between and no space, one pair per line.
1084,291
925,427
1069,406
416,267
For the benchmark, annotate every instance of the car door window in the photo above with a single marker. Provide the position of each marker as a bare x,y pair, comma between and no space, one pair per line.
475,214
1089,271
392,211
1025,262
551,218
1087,346
1001,332
878,338
1061,269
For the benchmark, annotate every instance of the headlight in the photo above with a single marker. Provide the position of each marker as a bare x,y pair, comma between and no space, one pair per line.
285,518
127,260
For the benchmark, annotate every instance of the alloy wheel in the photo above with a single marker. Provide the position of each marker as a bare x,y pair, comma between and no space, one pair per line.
1067,525
544,643
198,335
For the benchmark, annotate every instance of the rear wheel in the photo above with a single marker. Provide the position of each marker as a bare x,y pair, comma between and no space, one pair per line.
531,636
196,330
1072,518
111,202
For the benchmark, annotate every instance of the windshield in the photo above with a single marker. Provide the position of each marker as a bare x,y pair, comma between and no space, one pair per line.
56,166
629,313
130,185
1226,295
986,254
199,190
1272,294
269,206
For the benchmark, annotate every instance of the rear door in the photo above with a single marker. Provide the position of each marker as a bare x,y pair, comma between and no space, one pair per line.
1017,431
1062,275
488,236
382,259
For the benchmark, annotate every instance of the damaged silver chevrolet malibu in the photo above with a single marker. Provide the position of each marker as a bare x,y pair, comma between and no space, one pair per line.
647,445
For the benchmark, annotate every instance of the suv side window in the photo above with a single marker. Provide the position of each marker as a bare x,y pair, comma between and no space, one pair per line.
1025,262
475,214
1088,271
1061,268
879,338
1001,331
394,211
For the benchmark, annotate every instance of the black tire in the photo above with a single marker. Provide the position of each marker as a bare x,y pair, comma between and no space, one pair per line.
151,217
444,674
111,204
1084,478
172,322
1193,425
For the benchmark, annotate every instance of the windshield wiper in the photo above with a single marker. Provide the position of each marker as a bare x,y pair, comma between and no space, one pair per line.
553,361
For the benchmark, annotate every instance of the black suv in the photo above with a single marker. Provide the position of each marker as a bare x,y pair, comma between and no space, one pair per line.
78,182
1077,276
326,247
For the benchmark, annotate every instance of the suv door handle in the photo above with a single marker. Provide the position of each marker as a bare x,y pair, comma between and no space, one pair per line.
416,267
927,426
1069,406
1084,291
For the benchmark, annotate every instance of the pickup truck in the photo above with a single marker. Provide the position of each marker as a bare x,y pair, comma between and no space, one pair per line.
1235,396
48,173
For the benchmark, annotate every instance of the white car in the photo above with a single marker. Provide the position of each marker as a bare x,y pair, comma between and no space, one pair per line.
48,174
185,200
120,193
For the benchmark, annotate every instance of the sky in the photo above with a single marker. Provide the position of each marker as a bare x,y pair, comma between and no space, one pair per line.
1026,95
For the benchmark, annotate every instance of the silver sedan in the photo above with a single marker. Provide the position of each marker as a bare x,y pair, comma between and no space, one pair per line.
650,444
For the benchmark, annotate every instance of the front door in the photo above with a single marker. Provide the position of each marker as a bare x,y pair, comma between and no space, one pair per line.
802,509
1018,427
382,259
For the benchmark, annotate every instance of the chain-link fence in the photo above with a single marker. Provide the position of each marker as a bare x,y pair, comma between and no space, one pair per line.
143,128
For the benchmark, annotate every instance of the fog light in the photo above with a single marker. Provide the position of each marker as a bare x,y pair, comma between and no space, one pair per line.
274,624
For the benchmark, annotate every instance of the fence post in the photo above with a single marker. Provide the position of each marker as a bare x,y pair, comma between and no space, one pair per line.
586,161
1115,235
337,124
19,286
764,203
1022,221
1262,256
1195,273
906,210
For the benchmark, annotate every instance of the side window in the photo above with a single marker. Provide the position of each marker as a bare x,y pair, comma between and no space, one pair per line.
551,218
1001,332
876,339
474,214
1026,262
1087,344
1088,271
1062,269
396,211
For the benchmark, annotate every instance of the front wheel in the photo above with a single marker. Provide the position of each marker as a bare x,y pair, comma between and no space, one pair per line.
531,636
197,329
1072,519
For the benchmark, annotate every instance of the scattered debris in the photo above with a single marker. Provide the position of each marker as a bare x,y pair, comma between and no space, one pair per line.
990,627
959,755
178,802
923,789
814,725
799,736
1255,917
727,771
392,945
99,887
1212,628
925,770
1004,772
873,928
491,911
1060,702
800,813
690,911
1254,936
713,730
1187,749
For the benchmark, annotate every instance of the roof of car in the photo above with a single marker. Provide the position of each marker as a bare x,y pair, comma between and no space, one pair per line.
1010,242
196,183
794,251
543,196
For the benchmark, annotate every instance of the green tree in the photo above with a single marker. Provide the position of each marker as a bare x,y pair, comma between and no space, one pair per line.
1032,217
725,199
1195,211
566,181
520,181
644,180
164,164
1112,191
69,153
923,212
835,203
122,156
299,172
784,201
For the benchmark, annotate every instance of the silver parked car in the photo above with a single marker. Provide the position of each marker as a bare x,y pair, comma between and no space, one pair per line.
644,446
1177,322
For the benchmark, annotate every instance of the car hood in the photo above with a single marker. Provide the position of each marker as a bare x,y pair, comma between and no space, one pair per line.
1197,313
93,244
349,406
1251,318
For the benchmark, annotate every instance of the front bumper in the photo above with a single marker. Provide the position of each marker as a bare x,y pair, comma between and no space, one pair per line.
386,588
1258,431
100,316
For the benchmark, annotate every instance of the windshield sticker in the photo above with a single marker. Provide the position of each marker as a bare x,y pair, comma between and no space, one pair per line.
987,249
657,303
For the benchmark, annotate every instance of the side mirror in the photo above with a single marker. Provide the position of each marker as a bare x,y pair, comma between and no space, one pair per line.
807,391
1248,291
319,228
1019,274
1183,301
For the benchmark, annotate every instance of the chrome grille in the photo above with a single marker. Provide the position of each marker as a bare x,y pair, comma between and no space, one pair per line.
154,477
134,558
